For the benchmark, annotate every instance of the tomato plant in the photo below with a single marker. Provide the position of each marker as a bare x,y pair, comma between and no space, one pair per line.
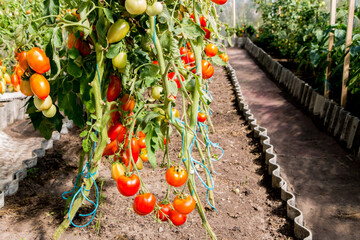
123,76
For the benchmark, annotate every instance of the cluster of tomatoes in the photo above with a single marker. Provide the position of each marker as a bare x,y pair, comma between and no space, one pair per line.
5,81
28,74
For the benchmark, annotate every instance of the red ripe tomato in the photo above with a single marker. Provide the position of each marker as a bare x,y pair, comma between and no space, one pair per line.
201,18
189,57
22,60
111,148
124,159
15,80
115,116
211,50
144,203
183,50
142,142
207,33
37,60
84,48
114,88
128,103
71,40
177,218
171,76
207,69
184,203
155,62
219,2
201,117
39,86
117,131
209,73
128,186
163,212
141,134
188,45
135,149
202,21
176,176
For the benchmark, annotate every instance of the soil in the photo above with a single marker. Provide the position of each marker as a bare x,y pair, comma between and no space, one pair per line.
247,206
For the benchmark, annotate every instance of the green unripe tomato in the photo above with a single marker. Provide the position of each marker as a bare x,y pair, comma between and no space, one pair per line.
42,104
156,92
50,112
154,9
118,31
120,60
135,7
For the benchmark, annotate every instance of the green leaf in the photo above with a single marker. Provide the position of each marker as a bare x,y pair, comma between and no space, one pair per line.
108,15
218,61
97,128
20,36
191,30
58,39
74,53
52,7
355,50
70,105
46,129
84,133
152,143
73,69
114,50
173,90
93,116
101,31
93,137
87,93
88,123
86,145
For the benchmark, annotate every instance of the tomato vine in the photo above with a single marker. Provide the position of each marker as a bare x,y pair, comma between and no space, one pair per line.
118,69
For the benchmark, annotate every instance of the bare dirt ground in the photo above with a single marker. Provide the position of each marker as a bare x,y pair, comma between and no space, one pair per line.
255,212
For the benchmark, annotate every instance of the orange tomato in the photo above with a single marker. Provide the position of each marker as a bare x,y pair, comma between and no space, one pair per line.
39,86
22,60
15,80
37,60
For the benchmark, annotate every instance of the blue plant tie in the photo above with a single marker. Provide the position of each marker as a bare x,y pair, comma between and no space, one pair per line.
154,29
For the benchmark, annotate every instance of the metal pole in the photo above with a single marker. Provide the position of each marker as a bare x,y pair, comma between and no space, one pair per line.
347,57
331,43
234,13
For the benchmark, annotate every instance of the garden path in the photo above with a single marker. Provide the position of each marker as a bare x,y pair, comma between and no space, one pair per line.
324,178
